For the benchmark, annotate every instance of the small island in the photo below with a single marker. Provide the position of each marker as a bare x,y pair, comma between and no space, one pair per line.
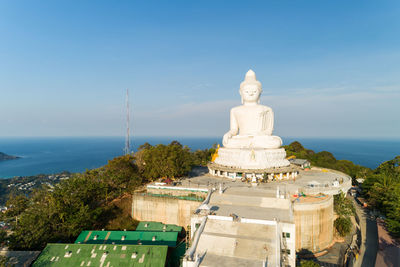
4,156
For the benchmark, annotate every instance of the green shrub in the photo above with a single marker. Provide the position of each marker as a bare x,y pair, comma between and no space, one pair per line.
343,206
309,263
342,225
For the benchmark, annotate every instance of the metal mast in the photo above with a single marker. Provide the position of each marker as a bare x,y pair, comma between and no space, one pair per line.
127,149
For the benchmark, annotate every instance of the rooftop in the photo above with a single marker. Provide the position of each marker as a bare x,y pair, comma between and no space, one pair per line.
251,203
226,243
128,238
158,227
101,255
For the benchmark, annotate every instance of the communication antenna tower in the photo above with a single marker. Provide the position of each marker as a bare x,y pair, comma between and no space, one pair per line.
127,149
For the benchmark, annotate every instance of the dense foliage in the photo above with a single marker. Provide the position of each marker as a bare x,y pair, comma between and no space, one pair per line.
17,204
202,157
342,225
87,200
173,160
74,205
326,160
3,261
382,189
344,208
308,263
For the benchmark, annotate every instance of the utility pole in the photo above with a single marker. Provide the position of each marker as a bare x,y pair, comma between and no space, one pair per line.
127,149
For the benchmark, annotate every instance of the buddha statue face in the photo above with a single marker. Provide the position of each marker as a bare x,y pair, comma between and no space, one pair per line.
250,93
250,88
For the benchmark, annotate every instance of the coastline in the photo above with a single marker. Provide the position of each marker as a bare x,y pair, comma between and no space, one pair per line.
4,157
25,185
76,154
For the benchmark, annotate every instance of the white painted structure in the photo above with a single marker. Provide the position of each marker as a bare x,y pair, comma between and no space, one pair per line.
271,174
243,229
249,144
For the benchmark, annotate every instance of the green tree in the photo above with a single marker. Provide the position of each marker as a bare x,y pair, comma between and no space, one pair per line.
343,225
308,263
202,157
144,146
3,236
173,160
327,160
382,189
3,261
121,174
16,205
343,206
74,205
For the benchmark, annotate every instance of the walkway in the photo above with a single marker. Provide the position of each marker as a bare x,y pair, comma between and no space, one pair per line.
369,238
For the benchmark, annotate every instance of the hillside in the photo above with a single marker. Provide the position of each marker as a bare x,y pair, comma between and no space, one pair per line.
4,156
325,159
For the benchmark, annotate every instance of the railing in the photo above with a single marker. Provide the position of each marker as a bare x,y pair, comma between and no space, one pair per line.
189,253
192,198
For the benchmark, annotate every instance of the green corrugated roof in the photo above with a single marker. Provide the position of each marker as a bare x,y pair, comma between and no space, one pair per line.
72,255
128,237
158,227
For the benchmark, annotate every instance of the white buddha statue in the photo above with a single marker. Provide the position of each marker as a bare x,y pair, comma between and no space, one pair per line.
251,123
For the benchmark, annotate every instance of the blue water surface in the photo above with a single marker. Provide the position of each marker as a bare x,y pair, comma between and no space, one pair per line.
52,155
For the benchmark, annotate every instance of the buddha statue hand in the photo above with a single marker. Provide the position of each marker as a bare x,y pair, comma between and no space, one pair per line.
226,138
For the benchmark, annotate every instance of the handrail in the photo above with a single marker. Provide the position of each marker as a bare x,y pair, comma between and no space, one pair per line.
189,253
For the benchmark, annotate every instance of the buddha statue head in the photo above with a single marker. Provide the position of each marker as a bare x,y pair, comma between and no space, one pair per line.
250,89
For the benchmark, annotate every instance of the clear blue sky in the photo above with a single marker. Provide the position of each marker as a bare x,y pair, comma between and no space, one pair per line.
328,68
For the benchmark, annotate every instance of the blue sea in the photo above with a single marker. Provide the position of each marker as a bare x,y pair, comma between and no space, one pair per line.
53,155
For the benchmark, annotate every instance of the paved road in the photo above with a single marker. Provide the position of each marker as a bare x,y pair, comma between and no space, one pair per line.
389,248
369,239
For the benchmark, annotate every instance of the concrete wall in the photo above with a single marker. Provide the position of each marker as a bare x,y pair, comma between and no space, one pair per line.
314,224
289,242
165,210
175,192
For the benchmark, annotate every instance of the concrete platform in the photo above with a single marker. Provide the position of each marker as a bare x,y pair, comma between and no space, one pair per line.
247,222
314,181
228,243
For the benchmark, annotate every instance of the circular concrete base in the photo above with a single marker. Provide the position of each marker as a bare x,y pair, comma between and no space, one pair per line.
247,158
278,173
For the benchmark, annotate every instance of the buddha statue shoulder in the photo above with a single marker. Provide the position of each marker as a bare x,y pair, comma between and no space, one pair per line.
251,124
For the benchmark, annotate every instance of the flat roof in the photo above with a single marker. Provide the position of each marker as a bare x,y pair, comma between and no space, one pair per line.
227,243
158,227
257,213
128,238
101,255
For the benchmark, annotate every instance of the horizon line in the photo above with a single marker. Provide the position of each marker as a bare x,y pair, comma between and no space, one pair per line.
199,137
